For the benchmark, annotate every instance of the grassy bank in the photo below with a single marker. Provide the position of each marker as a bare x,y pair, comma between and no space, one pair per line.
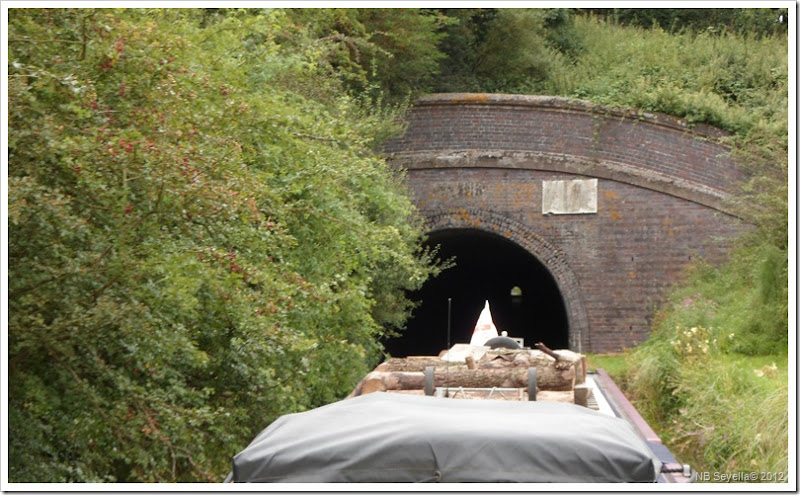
722,412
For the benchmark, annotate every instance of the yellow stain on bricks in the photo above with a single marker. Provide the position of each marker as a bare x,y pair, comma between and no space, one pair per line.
521,196
668,223
497,190
631,275
472,97
612,209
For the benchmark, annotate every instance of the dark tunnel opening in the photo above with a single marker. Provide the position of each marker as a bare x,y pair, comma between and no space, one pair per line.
524,298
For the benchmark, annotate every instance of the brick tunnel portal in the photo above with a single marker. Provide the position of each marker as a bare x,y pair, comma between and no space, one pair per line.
610,203
524,297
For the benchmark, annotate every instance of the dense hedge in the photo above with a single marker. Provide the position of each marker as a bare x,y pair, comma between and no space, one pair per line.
201,238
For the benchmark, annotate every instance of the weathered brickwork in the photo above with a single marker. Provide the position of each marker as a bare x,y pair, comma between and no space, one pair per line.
478,161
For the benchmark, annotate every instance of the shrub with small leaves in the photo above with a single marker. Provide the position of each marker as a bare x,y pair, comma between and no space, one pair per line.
195,245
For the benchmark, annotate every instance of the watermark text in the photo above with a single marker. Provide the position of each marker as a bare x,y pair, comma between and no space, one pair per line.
742,477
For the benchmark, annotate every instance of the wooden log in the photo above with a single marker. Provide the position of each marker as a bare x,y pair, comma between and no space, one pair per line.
358,390
528,358
548,377
516,377
568,371
416,364
497,360
564,355
493,359
482,378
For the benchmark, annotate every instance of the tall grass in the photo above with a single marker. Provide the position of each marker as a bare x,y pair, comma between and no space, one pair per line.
731,81
713,376
721,413
718,411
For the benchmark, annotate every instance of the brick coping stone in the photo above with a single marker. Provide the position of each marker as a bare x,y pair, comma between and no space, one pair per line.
561,103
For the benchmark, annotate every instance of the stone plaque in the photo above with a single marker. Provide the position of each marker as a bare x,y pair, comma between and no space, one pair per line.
569,197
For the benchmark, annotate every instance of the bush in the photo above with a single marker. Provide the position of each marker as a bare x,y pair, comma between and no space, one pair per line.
198,243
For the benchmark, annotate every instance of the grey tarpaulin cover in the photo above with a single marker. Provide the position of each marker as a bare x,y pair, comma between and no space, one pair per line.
386,437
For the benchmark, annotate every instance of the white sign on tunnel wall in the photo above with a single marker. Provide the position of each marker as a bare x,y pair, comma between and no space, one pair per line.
569,197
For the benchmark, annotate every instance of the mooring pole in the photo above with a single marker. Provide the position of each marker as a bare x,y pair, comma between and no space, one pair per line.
449,307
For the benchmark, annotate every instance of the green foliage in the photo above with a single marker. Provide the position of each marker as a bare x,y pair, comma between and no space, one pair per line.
504,50
200,238
716,410
466,31
616,365
703,400
514,51
385,55
733,82
735,79
747,297
754,22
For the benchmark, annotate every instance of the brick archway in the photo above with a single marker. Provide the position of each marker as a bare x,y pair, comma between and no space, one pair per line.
615,203
554,260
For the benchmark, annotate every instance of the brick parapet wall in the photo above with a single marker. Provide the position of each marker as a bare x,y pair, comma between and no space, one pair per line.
573,136
613,266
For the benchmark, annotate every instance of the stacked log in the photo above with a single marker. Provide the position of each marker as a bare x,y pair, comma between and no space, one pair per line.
506,368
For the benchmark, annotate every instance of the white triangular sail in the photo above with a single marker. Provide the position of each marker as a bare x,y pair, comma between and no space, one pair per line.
484,328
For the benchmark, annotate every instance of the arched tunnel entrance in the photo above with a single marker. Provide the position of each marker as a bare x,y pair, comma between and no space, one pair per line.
524,298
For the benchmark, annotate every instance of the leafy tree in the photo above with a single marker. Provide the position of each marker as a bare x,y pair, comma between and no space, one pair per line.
466,31
200,238
504,50
387,55
515,50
